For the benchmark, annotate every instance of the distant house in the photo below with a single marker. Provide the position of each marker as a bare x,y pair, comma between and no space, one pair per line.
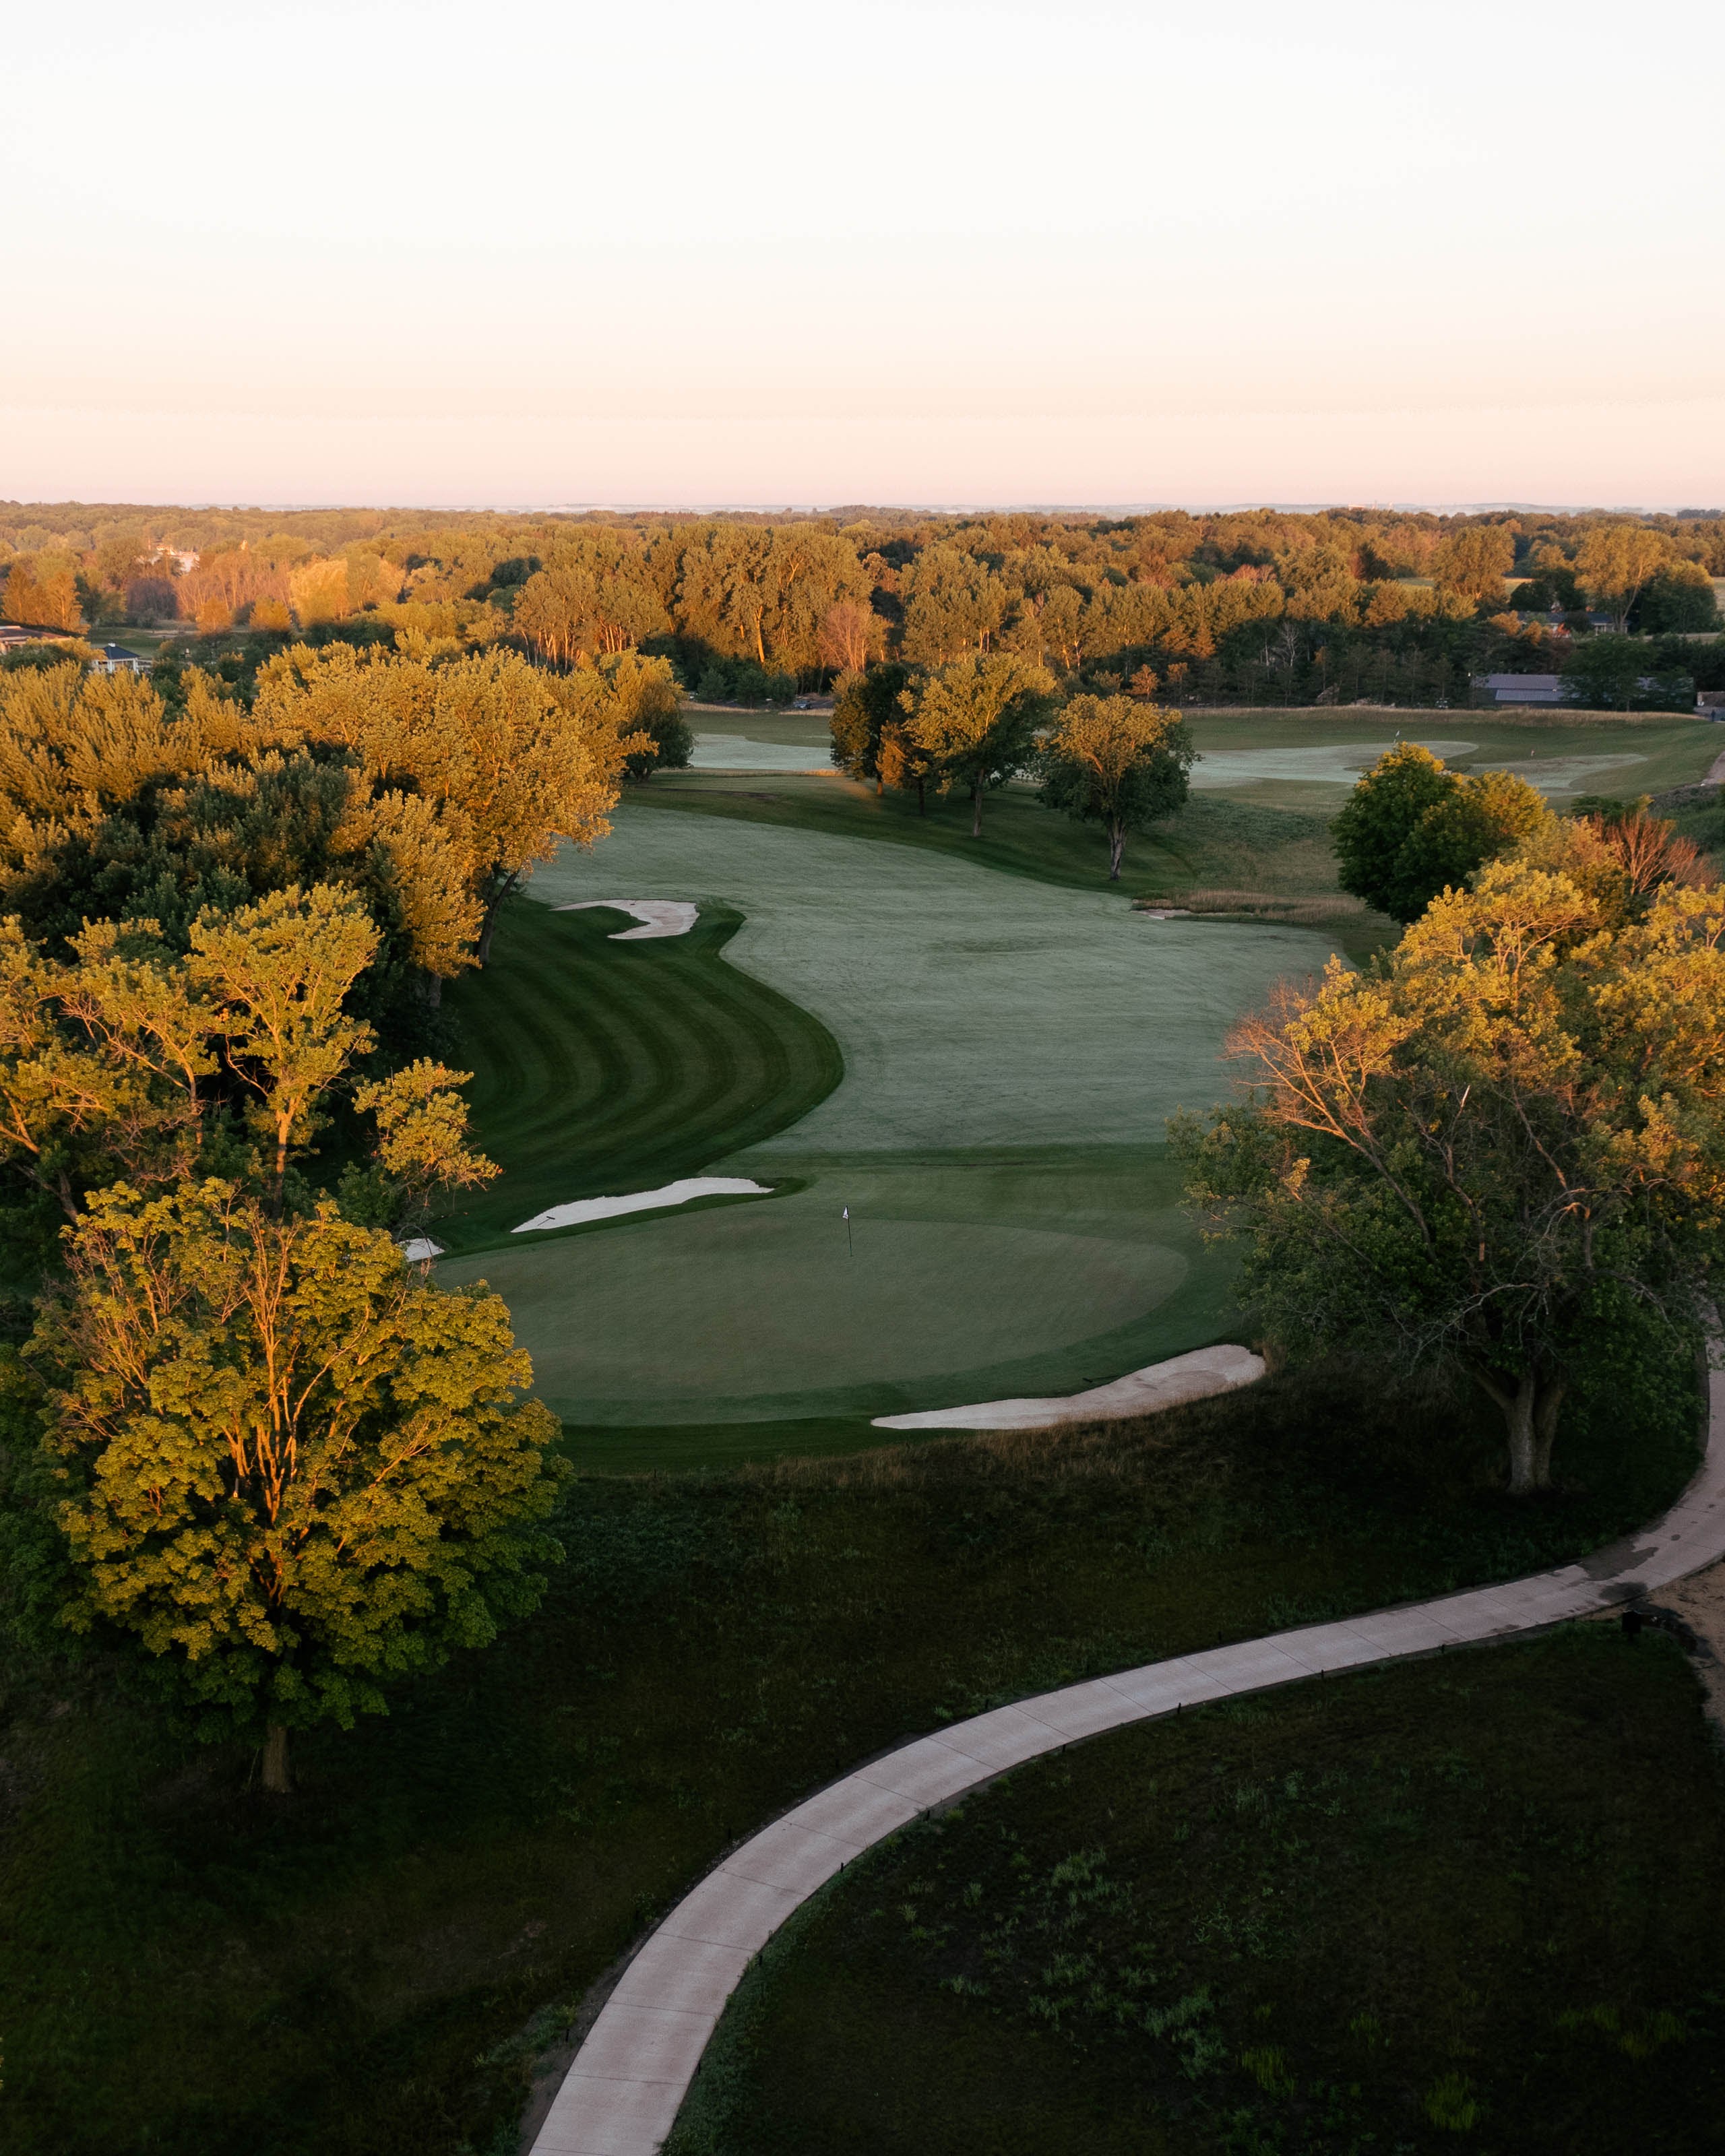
115,658
1710,704
1519,688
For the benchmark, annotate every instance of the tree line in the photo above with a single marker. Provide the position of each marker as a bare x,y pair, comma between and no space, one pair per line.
242,1439
1255,606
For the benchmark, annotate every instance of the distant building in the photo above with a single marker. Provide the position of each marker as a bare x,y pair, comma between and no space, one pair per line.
1710,704
115,658
1519,688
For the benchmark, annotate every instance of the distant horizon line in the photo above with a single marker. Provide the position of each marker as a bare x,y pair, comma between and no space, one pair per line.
678,508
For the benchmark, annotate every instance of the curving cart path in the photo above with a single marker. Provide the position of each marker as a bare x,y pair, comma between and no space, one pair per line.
629,2077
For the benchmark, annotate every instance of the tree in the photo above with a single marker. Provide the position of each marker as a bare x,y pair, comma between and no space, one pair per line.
1607,671
1123,764
514,759
1503,1148
1411,827
866,706
977,719
639,699
1616,560
277,977
1678,600
294,1469
131,1062
1474,561
592,599
851,635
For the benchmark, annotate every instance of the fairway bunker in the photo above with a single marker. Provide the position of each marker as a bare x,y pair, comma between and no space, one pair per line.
689,1186
660,917
1194,1377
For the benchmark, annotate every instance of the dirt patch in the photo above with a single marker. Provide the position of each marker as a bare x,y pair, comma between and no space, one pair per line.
1699,1603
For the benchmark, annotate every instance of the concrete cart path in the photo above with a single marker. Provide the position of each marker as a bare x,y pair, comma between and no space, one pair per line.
622,2092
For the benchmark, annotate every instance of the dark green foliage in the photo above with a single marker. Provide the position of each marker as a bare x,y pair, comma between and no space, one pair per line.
865,704
1676,603
673,741
1371,1914
1412,828
713,1648
1372,830
1608,672
600,1067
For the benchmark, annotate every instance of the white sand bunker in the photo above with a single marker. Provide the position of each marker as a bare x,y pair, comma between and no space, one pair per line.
644,1201
420,1249
663,916
1193,1376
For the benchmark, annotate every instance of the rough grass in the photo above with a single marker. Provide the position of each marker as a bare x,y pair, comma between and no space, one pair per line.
601,1067
1473,1901
367,1969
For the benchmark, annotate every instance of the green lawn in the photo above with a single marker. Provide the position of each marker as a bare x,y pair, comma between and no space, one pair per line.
186,1970
1010,1051
958,1279
603,1067
1260,837
1470,1902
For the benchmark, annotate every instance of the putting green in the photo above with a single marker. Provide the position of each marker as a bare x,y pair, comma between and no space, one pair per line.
956,1279
973,1009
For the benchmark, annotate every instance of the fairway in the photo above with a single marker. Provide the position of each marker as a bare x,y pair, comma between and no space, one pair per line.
602,1066
973,1009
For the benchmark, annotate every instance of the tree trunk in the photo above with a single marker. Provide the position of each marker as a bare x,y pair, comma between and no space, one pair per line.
1117,847
1530,1416
433,991
276,1777
488,926
976,821
921,795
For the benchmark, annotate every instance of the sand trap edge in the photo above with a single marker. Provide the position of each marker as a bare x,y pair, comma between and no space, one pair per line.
1193,1376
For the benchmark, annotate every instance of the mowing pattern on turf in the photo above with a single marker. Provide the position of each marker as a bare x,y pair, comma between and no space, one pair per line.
601,1067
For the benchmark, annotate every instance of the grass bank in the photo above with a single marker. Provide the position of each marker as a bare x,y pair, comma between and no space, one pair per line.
1472,1902
367,1969
603,1067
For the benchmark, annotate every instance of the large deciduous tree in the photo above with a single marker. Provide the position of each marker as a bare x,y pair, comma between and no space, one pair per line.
977,721
1616,561
1412,828
1500,1149
514,759
1474,561
866,708
293,1470
1117,762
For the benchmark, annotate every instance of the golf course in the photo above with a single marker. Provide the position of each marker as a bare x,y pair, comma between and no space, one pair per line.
949,1062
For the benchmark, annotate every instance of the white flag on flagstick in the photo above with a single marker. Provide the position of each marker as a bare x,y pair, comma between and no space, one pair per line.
847,1212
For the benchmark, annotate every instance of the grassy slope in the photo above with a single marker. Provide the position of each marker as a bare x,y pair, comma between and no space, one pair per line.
187,1968
601,1067
1430,1906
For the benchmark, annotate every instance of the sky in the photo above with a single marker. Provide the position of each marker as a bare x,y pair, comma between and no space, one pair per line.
945,252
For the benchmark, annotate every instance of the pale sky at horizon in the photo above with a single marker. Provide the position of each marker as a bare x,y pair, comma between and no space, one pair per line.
817,253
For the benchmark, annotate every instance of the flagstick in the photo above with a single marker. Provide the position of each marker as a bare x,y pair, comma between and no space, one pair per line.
850,1236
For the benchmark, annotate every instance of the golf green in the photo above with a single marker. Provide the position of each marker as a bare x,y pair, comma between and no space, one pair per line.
1010,1050
953,1280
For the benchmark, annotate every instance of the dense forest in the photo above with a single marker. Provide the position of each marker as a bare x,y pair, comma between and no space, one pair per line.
1263,606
